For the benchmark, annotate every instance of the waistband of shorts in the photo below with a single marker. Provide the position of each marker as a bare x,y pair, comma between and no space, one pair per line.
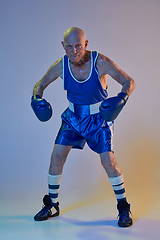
84,109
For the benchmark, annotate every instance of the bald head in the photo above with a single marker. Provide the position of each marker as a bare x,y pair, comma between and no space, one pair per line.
74,32
75,44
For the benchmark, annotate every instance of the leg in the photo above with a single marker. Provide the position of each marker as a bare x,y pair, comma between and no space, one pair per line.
110,165
58,158
114,173
116,179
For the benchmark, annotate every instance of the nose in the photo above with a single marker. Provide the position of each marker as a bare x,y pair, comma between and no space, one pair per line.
74,49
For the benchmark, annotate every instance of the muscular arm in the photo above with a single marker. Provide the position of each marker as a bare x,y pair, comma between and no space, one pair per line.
55,71
107,66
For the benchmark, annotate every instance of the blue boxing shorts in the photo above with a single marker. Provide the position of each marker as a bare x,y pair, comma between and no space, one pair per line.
80,126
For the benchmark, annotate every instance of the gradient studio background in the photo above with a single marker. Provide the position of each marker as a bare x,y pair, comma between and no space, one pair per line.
31,34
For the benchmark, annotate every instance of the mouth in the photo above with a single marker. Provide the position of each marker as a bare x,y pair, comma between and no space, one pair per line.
74,56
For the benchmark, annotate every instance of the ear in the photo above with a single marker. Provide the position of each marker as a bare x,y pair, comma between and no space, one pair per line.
86,43
63,44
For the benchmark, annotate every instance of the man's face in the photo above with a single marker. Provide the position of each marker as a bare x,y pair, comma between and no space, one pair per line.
75,45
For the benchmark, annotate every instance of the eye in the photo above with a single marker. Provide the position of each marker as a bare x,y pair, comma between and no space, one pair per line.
78,46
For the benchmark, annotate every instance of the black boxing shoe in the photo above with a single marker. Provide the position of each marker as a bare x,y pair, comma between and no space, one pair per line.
46,212
125,215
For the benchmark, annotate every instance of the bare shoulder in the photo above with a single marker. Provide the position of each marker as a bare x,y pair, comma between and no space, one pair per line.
103,59
105,64
56,69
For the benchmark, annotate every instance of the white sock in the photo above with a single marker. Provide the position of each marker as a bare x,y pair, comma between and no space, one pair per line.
118,187
53,186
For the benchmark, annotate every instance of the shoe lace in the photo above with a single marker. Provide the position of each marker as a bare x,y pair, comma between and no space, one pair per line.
46,208
124,213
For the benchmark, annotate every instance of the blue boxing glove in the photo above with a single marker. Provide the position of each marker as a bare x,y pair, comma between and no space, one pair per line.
41,108
111,107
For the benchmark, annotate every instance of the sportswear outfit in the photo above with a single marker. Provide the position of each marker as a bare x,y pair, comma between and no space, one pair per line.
82,123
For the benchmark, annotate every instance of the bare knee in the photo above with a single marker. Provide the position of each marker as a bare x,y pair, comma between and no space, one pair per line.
110,164
107,160
58,158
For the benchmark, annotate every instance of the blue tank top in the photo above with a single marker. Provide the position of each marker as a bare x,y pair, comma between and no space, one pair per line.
85,92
